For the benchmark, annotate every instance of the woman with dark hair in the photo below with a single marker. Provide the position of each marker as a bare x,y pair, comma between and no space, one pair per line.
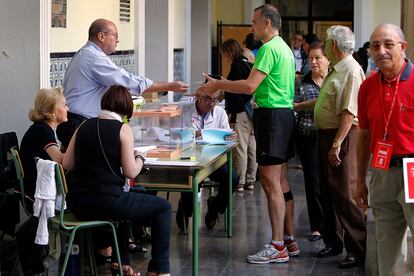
240,111
306,91
100,156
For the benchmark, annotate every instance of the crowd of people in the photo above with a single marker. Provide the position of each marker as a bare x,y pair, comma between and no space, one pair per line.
311,97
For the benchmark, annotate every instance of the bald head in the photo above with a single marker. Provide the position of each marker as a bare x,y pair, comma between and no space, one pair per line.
388,48
390,27
97,26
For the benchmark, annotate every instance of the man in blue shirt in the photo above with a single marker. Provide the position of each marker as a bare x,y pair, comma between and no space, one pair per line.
91,72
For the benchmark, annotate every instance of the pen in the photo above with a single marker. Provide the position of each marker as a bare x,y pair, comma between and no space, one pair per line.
192,158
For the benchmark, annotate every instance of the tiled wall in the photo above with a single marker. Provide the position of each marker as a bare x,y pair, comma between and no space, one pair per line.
126,59
60,61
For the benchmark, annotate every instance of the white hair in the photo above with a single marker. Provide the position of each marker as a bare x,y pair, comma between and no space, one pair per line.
343,36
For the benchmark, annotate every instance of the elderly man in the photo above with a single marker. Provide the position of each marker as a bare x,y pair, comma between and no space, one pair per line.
335,117
386,112
206,114
91,72
272,80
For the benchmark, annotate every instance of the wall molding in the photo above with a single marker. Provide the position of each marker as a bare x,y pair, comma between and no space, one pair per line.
44,33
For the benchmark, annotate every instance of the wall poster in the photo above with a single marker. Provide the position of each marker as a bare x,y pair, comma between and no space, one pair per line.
59,13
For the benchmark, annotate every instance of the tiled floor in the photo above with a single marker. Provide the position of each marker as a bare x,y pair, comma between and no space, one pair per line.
251,230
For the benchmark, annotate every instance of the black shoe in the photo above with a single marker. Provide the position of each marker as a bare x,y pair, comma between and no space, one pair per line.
136,247
350,262
181,218
101,259
212,214
313,238
329,252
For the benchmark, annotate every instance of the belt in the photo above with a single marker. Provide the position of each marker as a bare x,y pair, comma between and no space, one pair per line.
397,161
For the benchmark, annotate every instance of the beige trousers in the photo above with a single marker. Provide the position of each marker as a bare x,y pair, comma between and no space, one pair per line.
391,215
245,152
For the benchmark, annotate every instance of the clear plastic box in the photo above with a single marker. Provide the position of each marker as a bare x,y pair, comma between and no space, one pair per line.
168,126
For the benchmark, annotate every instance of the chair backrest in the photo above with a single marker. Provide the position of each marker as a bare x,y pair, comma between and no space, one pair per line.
20,176
61,189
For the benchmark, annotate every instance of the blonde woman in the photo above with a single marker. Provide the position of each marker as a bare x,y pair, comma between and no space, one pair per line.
40,139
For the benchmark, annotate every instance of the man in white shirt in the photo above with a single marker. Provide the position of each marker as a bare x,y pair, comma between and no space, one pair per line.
206,114
300,56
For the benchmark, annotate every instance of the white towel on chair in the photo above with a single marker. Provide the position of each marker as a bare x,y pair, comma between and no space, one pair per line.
45,195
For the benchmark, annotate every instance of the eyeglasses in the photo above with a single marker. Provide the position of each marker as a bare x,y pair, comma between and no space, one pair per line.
375,46
210,100
115,35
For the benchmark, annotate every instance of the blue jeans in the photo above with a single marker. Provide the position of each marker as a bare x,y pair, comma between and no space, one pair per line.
136,207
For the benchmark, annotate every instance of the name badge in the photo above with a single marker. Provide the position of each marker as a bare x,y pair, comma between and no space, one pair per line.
382,154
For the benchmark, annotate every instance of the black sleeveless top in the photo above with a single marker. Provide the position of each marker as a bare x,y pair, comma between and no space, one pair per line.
91,173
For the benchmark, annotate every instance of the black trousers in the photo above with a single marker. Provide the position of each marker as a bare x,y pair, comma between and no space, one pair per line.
221,200
306,148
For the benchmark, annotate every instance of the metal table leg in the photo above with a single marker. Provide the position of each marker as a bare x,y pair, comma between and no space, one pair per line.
196,217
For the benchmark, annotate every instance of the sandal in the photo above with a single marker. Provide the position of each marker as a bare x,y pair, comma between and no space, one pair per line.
126,270
250,186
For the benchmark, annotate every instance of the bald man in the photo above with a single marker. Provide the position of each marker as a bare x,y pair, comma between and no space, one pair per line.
91,72
392,84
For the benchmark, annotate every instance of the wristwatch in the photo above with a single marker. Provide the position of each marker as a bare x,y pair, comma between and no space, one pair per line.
336,145
140,157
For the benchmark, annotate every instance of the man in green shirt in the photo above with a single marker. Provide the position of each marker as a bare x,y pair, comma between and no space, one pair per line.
272,81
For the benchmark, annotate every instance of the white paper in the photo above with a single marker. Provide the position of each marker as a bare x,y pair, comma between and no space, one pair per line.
144,149
171,163
149,160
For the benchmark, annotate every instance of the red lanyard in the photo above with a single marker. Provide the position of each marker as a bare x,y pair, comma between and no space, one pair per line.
387,119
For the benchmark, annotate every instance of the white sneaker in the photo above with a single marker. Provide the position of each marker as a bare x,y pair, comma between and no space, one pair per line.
269,254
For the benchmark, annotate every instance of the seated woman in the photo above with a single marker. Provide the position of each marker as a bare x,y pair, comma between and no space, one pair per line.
40,139
100,156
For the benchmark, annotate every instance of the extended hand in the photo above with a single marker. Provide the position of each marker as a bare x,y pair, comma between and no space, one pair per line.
209,88
178,86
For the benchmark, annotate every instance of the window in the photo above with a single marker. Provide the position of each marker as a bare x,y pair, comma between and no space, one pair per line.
124,10
313,16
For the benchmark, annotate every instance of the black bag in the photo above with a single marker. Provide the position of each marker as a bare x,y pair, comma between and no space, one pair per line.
8,177
31,255
9,202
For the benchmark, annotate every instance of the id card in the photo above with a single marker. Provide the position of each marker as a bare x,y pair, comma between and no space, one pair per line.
408,170
382,154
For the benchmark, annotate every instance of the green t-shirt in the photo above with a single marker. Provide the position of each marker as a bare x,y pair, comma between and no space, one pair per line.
276,60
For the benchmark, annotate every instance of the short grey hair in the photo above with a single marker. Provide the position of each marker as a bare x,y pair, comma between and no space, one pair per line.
344,38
